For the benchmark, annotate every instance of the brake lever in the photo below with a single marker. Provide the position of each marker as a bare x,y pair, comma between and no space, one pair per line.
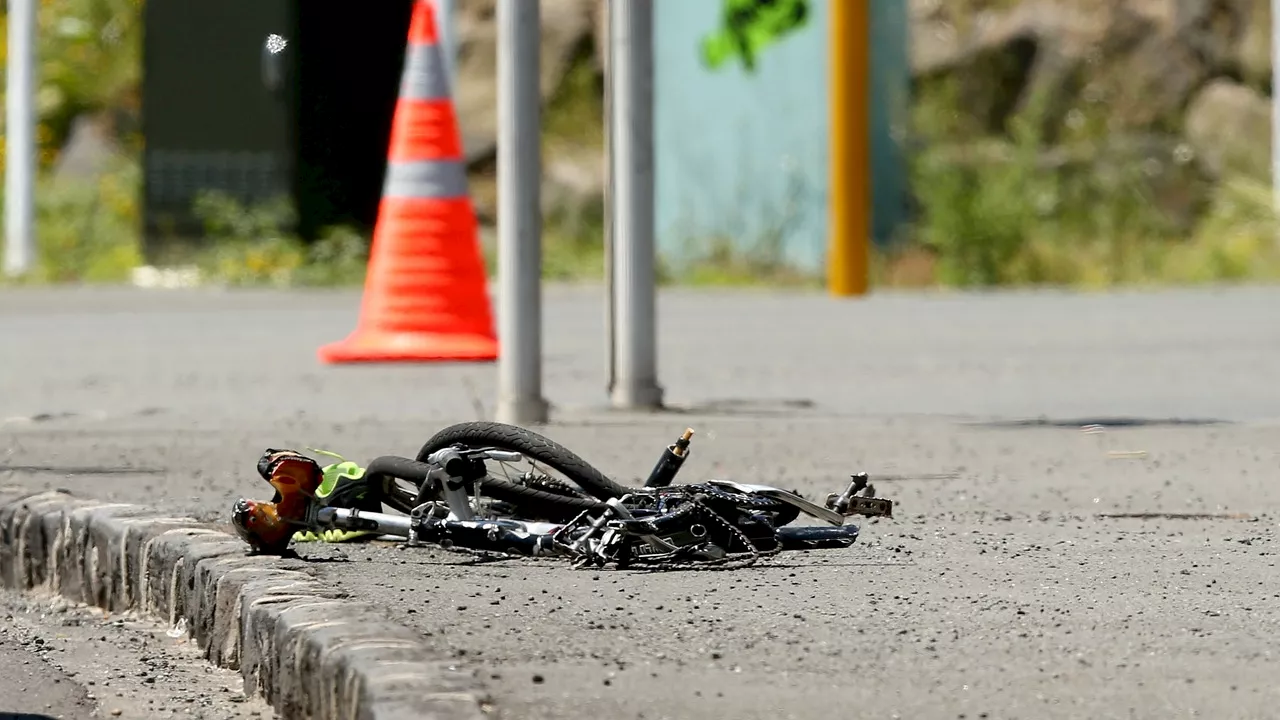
501,455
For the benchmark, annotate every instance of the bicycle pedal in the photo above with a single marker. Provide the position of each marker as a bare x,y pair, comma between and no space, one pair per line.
870,507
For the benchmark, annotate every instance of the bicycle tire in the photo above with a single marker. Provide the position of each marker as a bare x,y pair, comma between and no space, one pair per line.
540,504
553,507
533,446
382,472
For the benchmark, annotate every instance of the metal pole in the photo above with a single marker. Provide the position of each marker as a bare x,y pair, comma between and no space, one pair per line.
20,140
1275,102
519,215
610,341
850,207
448,41
631,125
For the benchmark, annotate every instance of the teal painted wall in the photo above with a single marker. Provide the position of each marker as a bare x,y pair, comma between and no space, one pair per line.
890,110
745,156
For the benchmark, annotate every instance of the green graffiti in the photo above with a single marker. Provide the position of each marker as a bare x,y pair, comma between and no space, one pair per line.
749,26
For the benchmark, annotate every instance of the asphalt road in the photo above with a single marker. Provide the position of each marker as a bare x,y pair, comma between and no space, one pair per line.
1003,591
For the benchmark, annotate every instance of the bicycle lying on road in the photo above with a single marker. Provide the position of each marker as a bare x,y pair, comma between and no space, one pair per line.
448,497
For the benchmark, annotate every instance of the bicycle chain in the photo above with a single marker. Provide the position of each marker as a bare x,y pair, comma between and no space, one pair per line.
728,562
735,561
741,499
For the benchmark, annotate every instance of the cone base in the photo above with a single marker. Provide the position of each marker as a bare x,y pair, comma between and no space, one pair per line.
378,346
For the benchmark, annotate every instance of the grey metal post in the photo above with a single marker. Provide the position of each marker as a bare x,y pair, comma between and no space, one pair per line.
633,257
448,40
20,140
610,349
1275,102
519,215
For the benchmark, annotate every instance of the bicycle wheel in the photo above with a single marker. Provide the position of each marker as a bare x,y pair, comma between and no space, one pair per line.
534,447
388,471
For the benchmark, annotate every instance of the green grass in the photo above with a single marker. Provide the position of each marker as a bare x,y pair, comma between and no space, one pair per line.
87,231
975,232
1010,209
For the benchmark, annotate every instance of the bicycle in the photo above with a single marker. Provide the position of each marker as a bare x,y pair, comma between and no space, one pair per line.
589,519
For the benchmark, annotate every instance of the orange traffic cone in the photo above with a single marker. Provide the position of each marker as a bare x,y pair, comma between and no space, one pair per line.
424,295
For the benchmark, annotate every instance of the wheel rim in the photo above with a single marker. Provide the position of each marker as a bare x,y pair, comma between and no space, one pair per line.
400,494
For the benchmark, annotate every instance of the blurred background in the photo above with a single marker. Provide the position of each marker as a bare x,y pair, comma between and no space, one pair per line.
1082,143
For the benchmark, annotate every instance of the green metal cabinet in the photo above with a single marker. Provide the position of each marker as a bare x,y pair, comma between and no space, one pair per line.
309,124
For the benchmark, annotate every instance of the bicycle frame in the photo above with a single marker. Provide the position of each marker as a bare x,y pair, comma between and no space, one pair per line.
538,539
584,539
518,537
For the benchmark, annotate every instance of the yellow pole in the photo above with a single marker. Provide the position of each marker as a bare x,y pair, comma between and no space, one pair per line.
850,211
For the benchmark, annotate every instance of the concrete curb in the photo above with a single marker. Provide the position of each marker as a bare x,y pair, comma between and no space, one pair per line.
308,651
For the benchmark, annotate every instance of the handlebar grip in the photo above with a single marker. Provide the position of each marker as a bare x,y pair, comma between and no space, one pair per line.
456,466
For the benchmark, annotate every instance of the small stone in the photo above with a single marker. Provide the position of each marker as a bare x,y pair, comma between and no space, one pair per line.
538,679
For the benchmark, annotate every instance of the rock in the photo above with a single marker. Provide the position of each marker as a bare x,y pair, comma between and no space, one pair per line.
600,33
91,146
1252,55
1135,83
573,188
566,26
1135,61
1229,127
1145,71
574,181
